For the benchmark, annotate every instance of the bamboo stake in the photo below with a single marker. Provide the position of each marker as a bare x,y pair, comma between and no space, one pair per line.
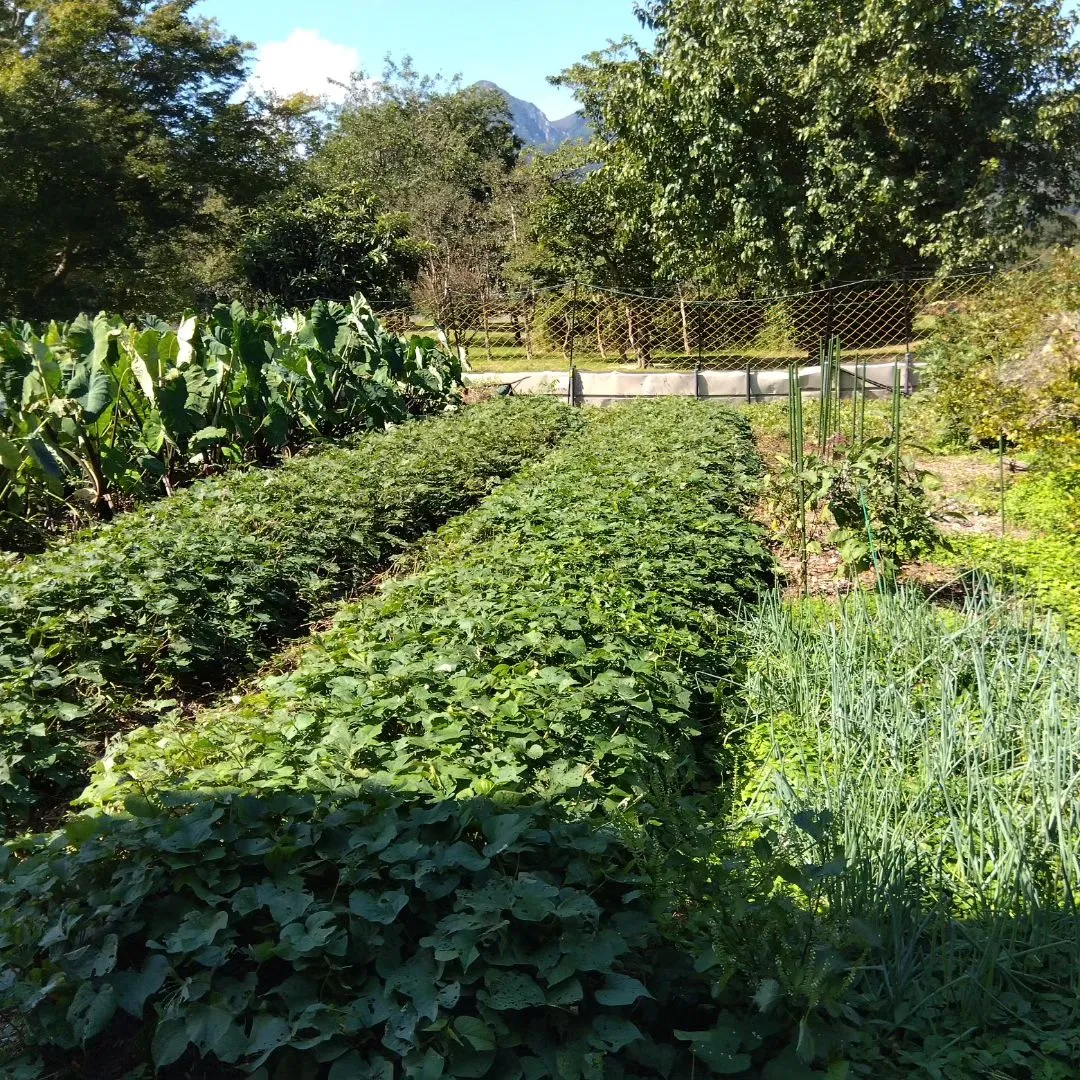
896,433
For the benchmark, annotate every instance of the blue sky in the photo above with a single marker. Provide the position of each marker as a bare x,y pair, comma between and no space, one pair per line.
515,43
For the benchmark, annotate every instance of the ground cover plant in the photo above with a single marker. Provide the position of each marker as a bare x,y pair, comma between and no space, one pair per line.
362,938
1042,570
175,597
928,757
561,651
98,413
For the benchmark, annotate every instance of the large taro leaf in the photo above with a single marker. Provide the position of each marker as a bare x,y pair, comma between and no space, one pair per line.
146,362
10,458
49,462
44,378
91,385
321,327
185,340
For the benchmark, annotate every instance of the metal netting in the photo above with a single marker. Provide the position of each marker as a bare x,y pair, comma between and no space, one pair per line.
575,324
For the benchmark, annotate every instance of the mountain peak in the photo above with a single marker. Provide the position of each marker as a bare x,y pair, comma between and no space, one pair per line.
533,127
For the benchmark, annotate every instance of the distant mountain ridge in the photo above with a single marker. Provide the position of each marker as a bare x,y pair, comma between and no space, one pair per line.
533,127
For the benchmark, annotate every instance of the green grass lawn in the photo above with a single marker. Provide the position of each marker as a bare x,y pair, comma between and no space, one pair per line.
507,357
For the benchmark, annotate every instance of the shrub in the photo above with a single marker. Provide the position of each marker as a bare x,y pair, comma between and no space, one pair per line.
1008,363
176,597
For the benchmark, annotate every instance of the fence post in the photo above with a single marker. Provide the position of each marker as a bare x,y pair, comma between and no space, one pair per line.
697,361
909,331
487,324
830,312
571,395
527,311
700,336
573,326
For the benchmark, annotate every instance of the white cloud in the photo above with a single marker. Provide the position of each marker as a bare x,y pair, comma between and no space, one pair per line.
305,62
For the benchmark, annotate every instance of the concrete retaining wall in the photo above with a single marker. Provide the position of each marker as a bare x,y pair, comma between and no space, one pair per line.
610,387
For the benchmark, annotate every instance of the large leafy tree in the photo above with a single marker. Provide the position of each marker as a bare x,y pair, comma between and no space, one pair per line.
310,244
118,128
584,222
442,156
796,141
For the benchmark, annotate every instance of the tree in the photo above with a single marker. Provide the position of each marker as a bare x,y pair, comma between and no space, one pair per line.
792,141
442,156
312,244
586,223
118,126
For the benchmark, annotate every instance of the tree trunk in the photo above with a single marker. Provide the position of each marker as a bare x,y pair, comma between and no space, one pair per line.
59,273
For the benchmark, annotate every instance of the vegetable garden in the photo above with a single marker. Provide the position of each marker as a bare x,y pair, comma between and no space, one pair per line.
491,745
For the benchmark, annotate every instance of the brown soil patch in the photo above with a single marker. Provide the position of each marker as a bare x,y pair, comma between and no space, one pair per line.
822,576
959,512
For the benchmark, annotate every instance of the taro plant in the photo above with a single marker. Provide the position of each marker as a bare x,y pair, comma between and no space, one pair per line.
95,414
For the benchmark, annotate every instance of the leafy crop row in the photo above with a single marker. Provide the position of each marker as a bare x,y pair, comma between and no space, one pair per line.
570,633
564,644
364,940
170,598
98,412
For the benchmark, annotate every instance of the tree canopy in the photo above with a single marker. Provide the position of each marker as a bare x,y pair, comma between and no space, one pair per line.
585,222
311,244
756,144
117,123
439,154
796,141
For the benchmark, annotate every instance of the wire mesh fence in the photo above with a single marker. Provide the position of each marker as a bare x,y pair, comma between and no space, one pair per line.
575,324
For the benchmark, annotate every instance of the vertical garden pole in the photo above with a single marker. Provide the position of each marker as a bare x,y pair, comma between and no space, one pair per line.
822,362
896,433
791,410
836,371
573,322
909,333
862,406
855,401
1001,478
804,553
1001,461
